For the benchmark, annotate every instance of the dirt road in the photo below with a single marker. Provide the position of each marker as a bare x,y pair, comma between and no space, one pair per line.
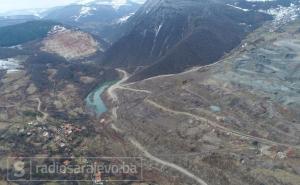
111,92
216,125
45,114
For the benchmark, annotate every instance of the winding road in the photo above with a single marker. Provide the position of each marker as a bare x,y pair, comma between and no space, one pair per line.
166,109
212,123
45,114
166,163
111,92
216,125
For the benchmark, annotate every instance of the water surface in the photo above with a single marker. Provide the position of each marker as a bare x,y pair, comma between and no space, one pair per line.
94,101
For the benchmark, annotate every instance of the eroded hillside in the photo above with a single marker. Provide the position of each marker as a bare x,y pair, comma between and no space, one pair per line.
70,44
234,122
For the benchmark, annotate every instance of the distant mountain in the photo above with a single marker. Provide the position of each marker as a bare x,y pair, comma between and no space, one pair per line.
24,32
261,4
37,12
170,36
98,17
16,19
54,38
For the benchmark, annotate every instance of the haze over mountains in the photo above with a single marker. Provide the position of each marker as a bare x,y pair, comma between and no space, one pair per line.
95,16
162,36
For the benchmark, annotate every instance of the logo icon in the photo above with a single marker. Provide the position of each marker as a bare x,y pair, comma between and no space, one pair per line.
18,168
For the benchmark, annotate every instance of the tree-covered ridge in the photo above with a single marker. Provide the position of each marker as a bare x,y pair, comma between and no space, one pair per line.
24,32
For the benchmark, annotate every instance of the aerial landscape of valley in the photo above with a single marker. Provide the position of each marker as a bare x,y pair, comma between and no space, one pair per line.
150,92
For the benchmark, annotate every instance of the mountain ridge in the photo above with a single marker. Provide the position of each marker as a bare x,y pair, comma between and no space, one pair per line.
161,25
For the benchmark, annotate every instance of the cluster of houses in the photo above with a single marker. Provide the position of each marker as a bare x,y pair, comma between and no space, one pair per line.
60,135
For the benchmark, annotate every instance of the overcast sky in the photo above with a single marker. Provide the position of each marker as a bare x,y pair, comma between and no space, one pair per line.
8,5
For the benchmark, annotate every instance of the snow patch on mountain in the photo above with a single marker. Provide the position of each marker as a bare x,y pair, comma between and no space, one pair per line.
10,65
157,29
57,29
243,9
283,15
125,18
85,11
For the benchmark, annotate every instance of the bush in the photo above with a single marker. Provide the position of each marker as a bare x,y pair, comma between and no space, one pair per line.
31,114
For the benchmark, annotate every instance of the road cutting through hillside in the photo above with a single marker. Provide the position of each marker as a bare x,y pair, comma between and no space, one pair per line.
135,90
216,125
111,92
212,123
39,109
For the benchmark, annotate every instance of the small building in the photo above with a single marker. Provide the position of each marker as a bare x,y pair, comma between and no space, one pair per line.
45,134
62,144
281,155
98,178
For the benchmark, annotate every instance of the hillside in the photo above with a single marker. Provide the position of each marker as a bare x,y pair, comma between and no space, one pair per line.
71,44
24,32
16,19
231,123
172,36
51,37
